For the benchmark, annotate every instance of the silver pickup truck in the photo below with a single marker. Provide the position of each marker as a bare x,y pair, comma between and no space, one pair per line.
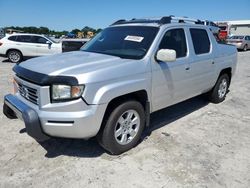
109,88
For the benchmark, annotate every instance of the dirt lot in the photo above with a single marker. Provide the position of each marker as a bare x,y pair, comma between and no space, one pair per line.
192,144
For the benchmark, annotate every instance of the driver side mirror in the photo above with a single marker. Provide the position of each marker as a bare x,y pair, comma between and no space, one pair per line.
166,55
48,42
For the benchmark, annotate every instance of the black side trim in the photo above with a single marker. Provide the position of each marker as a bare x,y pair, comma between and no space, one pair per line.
3,55
43,79
61,122
147,113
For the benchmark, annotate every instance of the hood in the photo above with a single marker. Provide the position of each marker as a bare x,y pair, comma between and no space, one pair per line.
85,66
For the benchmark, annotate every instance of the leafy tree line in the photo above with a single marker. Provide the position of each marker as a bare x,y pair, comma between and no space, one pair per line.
47,31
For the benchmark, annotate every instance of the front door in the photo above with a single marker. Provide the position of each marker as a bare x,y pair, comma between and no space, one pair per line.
171,80
42,47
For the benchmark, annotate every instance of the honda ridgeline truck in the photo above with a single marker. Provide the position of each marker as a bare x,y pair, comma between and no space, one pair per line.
109,88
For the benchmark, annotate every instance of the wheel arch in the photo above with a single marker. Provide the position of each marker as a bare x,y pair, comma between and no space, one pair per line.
13,49
140,96
227,71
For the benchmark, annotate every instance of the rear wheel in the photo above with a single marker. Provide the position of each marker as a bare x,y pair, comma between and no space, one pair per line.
123,128
219,92
14,56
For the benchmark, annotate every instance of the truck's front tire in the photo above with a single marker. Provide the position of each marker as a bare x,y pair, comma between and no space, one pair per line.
220,90
123,127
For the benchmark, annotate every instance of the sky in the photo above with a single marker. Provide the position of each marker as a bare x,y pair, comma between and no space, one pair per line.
70,14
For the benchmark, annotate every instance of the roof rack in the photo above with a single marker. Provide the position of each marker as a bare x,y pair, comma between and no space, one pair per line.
160,21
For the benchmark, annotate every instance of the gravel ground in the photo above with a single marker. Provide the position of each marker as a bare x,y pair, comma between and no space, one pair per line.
192,144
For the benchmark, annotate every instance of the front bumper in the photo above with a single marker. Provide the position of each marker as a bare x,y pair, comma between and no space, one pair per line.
68,120
13,107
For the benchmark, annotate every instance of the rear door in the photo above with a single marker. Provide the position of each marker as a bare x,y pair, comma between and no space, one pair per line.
25,45
202,66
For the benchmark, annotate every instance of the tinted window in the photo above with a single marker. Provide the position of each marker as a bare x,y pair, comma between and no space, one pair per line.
175,39
40,40
12,38
247,38
72,45
24,38
200,41
223,28
237,37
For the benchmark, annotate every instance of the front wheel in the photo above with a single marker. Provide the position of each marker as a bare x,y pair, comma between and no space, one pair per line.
245,48
219,92
123,127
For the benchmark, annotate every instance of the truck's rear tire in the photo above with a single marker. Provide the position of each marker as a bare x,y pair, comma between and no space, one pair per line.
14,56
123,128
220,90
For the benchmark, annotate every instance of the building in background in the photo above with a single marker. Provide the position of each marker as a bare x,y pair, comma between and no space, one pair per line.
239,27
230,28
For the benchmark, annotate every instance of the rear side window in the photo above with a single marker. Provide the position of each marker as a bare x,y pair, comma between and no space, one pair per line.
200,40
175,39
23,38
12,38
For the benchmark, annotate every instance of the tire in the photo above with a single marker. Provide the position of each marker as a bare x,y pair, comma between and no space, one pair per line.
14,56
120,133
220,90
245,48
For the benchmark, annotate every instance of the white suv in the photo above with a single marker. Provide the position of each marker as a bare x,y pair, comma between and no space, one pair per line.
19,46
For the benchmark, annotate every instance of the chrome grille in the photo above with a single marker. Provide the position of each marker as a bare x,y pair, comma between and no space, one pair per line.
28,93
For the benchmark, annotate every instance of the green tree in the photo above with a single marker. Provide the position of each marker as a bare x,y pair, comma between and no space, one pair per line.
98,30
75,31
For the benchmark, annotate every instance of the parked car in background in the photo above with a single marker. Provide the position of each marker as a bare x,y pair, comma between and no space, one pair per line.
241,42
223,32
212,26
69,45
19,46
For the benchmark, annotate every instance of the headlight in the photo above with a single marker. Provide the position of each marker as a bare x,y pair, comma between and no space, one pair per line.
65,92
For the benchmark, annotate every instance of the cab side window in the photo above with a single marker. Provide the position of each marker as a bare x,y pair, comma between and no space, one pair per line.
200,40
175,39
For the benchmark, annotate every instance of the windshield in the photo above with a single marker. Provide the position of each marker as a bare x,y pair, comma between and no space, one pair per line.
223,28
52,40
130,42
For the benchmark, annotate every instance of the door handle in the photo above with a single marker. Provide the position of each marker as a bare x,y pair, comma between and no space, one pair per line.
213,63
38,46
187,68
